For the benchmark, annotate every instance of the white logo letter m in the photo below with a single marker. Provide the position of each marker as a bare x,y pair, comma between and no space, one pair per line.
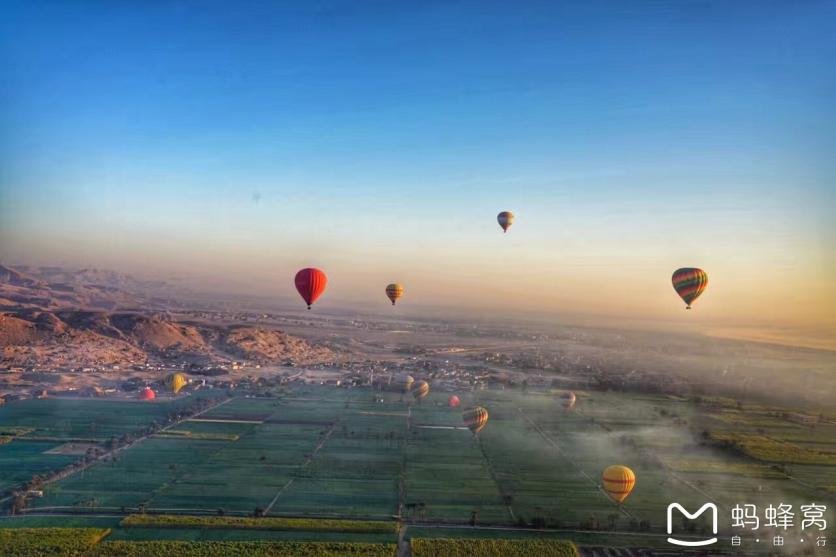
690,516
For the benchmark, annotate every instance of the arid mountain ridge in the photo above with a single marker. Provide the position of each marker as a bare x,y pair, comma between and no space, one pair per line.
52,317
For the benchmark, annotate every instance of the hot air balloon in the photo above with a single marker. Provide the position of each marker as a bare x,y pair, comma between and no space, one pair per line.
404,383
618,481
505,220
175,382
689,283
420,390
147,394
475,418
568,400
453,401
394,291
310,283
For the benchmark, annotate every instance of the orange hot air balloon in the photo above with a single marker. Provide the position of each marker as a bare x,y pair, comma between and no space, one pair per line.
310,283
147,394
453,401
421,390
475,419
394,291
568,400
505,220
618,481
689,283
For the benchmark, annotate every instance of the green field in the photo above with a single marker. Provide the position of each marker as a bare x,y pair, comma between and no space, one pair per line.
334,453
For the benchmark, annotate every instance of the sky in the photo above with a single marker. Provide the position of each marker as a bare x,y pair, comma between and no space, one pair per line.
226,145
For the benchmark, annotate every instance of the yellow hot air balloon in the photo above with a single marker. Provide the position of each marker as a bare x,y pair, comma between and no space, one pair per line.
403,383
505,220
618,481
394,291
175,382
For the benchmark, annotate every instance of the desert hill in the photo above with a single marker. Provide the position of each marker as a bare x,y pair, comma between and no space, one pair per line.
53,317
97,338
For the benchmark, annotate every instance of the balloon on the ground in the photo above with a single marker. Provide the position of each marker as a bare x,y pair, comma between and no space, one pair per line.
505,220
618,481
568,400
689,283
175,382
147,394
475,418
453,401
310,283
394,291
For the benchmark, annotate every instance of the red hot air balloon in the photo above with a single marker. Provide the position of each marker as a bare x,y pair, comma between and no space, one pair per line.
147,394
310,283
453,401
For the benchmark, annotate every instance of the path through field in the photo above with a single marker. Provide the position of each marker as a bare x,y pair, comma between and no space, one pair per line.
133,443
571,462
301,466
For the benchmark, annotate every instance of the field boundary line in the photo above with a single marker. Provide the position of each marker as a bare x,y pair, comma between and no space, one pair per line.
492,474
101,457
222,421
574,465
301,467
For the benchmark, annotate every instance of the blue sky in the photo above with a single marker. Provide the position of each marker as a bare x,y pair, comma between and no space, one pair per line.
383,137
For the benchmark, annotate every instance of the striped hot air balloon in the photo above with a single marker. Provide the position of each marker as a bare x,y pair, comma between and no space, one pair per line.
689,283
475,418
453,401
394,291
505,220
310,283
618,481
420,390
568,400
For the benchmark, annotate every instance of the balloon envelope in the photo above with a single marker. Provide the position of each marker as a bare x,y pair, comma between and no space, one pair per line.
310,283
475,418
147,394
175,382
618,481
421,389
568,400
453,401
394,291
505,220
689,283
404,383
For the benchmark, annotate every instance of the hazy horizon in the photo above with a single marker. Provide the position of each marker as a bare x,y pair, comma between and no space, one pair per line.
378,142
